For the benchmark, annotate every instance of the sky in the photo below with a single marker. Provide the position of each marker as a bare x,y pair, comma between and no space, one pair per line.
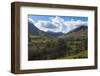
62,24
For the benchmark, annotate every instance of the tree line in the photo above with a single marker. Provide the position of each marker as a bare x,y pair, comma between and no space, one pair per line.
56,48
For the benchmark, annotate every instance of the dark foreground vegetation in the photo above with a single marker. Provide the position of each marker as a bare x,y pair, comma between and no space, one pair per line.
46,48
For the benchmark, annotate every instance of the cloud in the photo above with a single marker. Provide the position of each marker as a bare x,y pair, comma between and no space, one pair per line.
57,21
72,22
58,24
46,26
31,20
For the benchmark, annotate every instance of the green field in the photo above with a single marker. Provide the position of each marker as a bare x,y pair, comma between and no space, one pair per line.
82,54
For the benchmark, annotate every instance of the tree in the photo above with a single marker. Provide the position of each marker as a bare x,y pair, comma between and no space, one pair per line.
61,48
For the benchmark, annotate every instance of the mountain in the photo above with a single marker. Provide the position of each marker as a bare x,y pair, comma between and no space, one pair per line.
53,34
32,29
79,32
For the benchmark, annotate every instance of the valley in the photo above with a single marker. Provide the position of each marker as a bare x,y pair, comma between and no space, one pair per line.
50,45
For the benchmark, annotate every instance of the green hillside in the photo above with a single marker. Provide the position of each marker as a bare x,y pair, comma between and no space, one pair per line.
82,54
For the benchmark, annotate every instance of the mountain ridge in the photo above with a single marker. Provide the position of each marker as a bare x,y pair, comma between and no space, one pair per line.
32,29
76,33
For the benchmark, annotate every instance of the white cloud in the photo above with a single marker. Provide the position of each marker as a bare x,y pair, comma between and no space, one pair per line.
57,24
41,25
72,22
57,20
31,20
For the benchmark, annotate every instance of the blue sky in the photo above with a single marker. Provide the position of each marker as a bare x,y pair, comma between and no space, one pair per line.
57,23
47,17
